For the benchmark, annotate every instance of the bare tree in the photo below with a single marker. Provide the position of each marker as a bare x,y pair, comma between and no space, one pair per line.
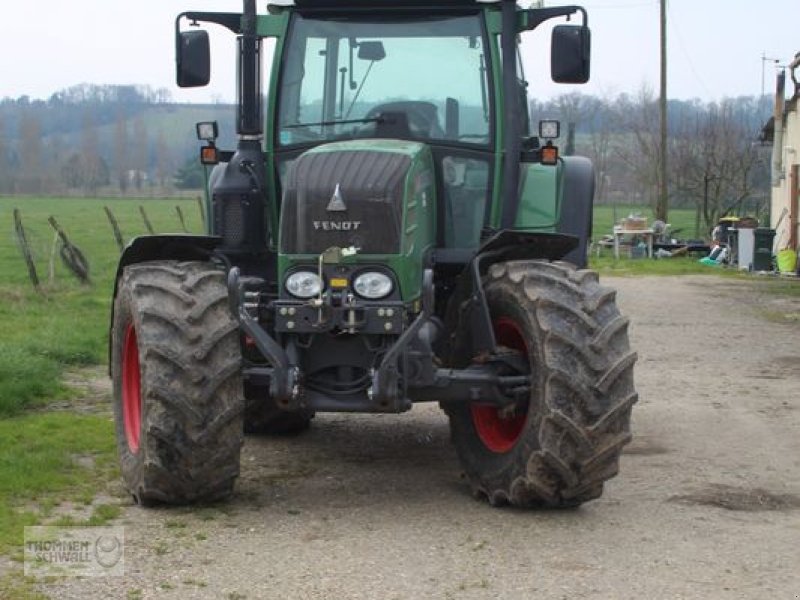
164,164
140,153
121,153
95,169
574,110
640,153
716,164
30,153
5,166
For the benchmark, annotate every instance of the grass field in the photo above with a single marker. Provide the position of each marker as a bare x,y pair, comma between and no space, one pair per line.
65,325
680,219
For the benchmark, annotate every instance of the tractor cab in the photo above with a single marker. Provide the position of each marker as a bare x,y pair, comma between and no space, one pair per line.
421,78
414,71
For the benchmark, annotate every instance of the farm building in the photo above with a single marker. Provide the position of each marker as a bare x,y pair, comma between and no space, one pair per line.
785,136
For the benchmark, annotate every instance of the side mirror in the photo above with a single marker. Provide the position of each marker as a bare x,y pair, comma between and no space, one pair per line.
193,58
570,54
373,51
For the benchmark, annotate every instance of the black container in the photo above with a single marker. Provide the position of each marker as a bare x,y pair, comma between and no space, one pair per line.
762,252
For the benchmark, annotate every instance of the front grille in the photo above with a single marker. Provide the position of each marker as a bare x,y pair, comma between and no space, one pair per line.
371,186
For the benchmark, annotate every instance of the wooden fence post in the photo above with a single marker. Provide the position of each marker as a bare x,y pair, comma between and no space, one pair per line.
147,223
115,228
26,250
73,258
181,219
202,208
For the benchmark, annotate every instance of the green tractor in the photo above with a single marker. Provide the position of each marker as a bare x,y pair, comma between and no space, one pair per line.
395,234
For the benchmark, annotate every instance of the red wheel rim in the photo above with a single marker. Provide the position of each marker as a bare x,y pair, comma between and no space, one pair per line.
131,390
499,432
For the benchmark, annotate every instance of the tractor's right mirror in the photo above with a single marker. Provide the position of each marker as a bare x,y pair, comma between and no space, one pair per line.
570,54
193,58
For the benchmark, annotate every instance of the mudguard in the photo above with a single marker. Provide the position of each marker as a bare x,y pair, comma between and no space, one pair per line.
467,315
577,204
161,247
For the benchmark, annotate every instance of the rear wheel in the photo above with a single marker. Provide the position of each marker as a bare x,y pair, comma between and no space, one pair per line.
177,386
559,447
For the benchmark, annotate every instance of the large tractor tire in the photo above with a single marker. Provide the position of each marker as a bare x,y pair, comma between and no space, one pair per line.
263,417
176,369
558,448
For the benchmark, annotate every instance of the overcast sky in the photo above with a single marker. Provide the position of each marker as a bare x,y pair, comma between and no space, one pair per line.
715,46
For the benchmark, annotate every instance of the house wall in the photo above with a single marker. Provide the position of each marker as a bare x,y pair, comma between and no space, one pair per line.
782,193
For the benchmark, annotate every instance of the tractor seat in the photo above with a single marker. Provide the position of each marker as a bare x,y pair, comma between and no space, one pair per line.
421,120
392,125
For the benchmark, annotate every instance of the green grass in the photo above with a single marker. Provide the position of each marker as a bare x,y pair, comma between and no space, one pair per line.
38,468
66,324
679,219
685,265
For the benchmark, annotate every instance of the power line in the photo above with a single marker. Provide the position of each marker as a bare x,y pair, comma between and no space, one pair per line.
686,54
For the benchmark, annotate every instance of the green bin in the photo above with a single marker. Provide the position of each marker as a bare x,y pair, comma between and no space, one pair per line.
762,253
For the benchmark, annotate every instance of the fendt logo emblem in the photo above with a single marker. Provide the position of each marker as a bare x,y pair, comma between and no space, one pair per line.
337,201
337,225
337,205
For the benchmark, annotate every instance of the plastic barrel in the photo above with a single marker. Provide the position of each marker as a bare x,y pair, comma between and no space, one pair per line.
787,261
762,254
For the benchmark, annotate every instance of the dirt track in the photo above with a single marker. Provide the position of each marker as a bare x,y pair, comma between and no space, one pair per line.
707,504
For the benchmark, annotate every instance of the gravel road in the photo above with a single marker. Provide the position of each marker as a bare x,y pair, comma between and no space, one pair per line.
707,504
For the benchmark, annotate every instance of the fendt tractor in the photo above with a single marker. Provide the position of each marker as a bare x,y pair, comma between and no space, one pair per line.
387,231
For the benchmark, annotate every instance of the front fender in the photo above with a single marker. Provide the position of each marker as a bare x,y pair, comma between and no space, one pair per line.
161,247
577,205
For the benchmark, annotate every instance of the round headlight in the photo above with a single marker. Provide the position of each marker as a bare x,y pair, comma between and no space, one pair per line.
304,284
373,285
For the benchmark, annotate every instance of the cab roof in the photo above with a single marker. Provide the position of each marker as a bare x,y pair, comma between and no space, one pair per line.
377,3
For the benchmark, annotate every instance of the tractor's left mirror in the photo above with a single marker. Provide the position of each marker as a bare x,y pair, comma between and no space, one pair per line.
570,54
193,58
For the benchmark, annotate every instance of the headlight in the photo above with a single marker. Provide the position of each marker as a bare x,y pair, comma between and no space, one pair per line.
373,285
304,284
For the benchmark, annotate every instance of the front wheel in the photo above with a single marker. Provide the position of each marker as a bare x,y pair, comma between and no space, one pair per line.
176,369
560,446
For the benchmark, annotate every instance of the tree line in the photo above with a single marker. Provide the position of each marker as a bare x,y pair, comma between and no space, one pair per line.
717,164
133,139
93,138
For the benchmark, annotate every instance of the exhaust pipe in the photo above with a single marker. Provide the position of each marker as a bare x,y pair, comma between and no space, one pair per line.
249,121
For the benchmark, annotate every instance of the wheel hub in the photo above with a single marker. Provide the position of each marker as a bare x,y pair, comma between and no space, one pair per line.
131,390
500,429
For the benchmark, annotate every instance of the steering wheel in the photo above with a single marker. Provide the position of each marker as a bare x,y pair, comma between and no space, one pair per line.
422,117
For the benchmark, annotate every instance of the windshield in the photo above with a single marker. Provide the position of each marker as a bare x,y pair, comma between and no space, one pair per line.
423,79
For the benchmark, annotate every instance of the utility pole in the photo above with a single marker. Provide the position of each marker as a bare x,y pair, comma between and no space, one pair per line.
662,204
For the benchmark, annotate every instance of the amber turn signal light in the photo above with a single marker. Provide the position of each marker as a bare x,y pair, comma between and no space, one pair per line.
549,154
209,155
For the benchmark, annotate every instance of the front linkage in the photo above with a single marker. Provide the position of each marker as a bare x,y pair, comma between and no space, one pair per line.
408,371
